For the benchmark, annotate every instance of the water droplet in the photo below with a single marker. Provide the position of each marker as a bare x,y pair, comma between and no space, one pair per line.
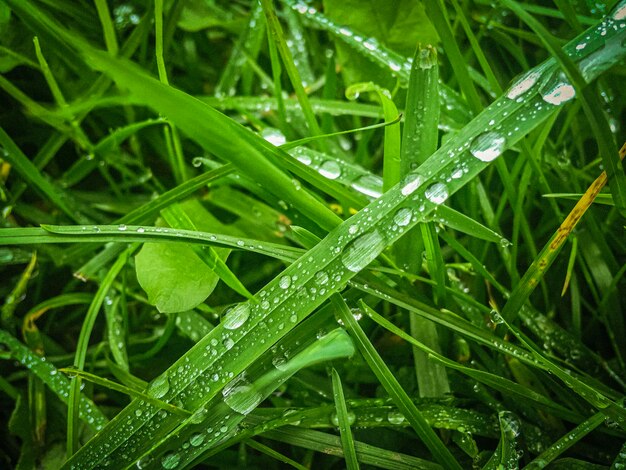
350,416
369,185
321,277
437,193
284,282
363,250
487,146
559,92
241,396
170,460
403,217
122,227
140,230
395,417
522,85
410,183
236,316
228,343
159,386
330,169
196,439
273,136
496,318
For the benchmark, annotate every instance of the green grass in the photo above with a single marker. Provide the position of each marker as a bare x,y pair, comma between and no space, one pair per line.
335,234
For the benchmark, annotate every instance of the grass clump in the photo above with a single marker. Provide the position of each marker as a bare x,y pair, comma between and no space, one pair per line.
317,235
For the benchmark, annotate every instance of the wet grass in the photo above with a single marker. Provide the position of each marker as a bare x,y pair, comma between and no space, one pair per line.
326,235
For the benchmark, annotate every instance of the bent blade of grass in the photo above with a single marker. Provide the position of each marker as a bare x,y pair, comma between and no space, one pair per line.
136,233
339,256
391,145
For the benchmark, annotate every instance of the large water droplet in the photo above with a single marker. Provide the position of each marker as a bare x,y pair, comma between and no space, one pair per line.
522,85
159,386
196,439
363,250
330,169
284,282
395,417
170,460
321,277
403,217
437,193
237,316
369,185
410,183
558,92
273,136
487,146
241,396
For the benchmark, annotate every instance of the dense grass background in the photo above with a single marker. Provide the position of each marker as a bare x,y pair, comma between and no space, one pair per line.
320,235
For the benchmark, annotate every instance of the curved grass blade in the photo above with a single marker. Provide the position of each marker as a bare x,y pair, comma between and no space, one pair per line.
136,233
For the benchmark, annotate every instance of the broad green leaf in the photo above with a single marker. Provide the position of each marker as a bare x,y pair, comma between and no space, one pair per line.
162,266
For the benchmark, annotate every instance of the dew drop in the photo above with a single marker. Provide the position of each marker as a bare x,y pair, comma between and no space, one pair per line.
321,277
159,386
241,396
524,84
196,439
496,318
330,169
395,417
237,316
437,193
558,93
363,250
228,343
284,282
403,217
410,183
487,146
369,185
122,227
170,460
